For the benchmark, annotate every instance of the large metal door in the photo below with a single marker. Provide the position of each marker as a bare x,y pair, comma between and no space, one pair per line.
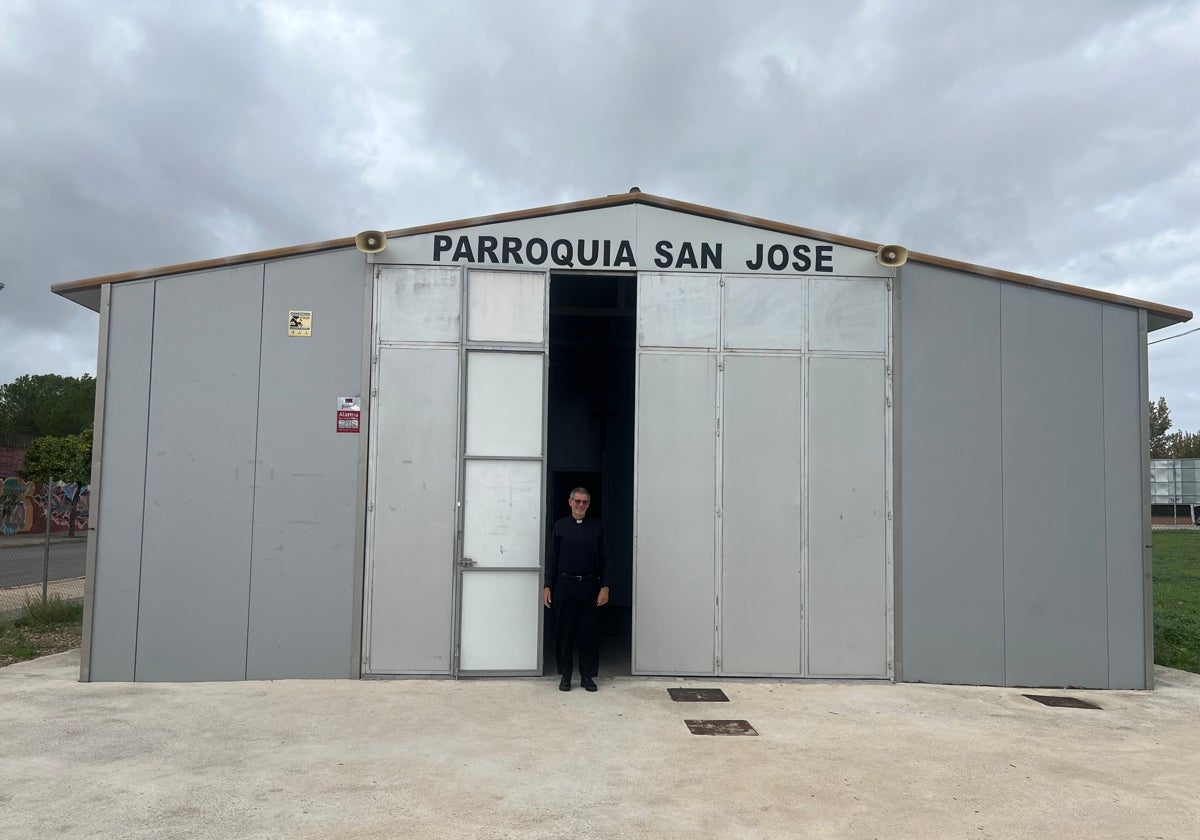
503,473
413,471
675,501
848,604
762,510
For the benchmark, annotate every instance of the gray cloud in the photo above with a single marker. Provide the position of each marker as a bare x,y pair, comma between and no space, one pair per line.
1054,139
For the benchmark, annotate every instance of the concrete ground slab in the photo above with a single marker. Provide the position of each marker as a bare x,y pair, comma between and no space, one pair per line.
518,758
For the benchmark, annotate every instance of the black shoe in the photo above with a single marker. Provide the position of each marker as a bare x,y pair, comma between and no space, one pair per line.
565,684
588,684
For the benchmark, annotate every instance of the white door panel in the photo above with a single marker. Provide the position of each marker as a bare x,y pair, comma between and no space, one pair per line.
504,475
418,304
502,513
507,306
848,315
499,627
504,403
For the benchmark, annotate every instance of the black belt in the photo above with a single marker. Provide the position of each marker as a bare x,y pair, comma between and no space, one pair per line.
580,578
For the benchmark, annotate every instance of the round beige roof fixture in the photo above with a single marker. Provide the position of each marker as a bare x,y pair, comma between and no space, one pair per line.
891,256
371,241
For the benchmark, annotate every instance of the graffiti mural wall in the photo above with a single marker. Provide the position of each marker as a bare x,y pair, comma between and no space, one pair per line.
23,507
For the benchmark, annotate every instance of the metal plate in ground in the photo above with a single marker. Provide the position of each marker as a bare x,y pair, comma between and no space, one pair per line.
720,727
1061,702
697,695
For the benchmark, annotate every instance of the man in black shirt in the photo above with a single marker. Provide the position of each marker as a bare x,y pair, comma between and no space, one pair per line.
577,584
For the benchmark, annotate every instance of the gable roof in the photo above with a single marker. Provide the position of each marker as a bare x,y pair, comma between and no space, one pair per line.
86,291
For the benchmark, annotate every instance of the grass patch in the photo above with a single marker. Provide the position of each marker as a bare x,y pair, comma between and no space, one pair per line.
44,627
50,614
1177,599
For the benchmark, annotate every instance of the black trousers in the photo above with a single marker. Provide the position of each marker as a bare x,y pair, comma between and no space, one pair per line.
574,603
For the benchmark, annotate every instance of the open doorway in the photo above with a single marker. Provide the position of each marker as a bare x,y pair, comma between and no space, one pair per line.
590,430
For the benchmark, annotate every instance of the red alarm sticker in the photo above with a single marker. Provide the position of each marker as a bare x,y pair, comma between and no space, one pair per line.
348,422
349,414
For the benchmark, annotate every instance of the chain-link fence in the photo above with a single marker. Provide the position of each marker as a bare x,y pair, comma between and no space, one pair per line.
43,542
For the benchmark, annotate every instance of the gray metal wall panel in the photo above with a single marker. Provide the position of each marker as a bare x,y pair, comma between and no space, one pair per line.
414,472
760,515
1123,499
1055,586
951,562
675,574
122,484
302,561
195,583
847,528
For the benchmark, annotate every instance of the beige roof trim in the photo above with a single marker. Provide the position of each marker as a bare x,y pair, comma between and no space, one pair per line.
1166,315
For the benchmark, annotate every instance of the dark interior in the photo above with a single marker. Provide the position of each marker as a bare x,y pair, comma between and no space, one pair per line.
591,396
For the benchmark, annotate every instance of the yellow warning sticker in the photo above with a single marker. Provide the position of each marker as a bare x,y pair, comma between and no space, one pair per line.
300,323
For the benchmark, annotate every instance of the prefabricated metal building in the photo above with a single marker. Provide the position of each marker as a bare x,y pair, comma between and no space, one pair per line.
809,462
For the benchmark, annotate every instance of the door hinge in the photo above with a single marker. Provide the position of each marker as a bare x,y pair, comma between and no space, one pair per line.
889,284
374,392
378,271
467,562
889,519
370,506
887,401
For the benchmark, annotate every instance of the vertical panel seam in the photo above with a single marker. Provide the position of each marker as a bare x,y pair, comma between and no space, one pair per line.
137,622
1003,496
719,490
805,356
101,401
1104,473
1147,536
262,309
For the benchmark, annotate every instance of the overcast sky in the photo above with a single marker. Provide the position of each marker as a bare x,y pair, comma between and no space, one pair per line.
1055,139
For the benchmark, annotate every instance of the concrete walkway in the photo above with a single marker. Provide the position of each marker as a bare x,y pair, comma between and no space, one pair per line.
517,758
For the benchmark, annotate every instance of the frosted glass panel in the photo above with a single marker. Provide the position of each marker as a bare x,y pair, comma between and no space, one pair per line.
848,314
764,313
502,522
418,304
677,310
504,404
506,306
500,620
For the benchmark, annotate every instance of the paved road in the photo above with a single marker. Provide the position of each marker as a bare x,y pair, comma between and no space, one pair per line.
22,564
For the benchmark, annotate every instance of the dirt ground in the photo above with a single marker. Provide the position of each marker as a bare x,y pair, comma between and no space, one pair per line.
45,642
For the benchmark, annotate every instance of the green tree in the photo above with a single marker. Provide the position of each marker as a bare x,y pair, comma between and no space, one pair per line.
47,404
1184,445
66,458
1160,421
